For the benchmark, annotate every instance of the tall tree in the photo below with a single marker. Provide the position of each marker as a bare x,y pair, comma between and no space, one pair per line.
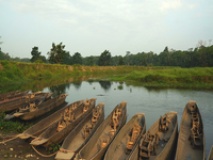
36,55
105,58
4,56
57,54
77,58
0,47
91,60
117,60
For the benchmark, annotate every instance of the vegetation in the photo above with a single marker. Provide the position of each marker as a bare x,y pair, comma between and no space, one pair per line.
33,75
201,56
104,59
36,55
58,55
38,76
170,68
171,77
12,126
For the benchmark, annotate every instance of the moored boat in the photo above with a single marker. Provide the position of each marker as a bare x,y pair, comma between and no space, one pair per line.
18,102
97,145
191,140
56,132
159,142
11,95
81,134
40,126
34,110
210,156
127,138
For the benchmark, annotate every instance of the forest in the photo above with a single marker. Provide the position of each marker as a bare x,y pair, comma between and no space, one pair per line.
201,56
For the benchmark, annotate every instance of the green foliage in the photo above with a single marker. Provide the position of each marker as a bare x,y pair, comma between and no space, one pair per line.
33,75
53,148
105,58
10,72
4,56
117,60
58,55
200,57
171,77
90,61
35,54
77,59
11,126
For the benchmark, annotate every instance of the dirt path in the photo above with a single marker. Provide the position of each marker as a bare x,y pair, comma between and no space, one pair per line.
18,149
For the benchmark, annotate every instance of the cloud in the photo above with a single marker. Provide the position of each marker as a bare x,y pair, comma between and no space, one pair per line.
104,11
105,24
170,5
123,20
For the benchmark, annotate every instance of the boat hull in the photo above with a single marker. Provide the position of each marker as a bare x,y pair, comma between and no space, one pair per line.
18,102
52,136
163,142
185,149
96,147
77,138
42,108
127,138
39,127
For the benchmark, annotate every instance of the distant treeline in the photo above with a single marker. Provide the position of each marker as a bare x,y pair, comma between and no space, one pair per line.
201,56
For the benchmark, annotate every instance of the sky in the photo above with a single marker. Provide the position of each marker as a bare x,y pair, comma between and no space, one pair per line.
92,26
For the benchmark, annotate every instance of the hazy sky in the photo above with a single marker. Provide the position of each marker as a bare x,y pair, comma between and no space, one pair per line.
92,26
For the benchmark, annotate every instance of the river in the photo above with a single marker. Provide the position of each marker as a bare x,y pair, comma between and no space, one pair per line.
152,102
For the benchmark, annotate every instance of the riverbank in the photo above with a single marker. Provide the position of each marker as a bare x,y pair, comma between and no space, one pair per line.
16,75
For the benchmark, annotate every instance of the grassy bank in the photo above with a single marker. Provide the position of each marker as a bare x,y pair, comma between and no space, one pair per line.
31,75
175,77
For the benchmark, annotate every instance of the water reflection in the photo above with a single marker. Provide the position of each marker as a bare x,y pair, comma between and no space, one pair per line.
105,84
77,84
57,90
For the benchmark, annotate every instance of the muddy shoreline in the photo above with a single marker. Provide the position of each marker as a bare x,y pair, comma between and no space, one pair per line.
18,149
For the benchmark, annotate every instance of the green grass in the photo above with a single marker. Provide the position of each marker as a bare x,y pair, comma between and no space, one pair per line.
33,75
7,126
174,77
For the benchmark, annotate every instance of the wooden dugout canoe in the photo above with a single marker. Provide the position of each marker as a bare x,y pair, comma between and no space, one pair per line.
37,128
97,145
56,132
80,135
127,138
210,156
159,142
14,104
40,109
191,141
11,95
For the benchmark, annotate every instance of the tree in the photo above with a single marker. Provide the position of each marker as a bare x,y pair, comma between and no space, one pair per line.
4,56
166,49
0,49
0,41
76,58
36,55
91,60
105,58
57,54
164,57
117,60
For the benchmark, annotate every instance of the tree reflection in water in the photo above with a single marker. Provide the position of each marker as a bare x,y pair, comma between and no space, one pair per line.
105,84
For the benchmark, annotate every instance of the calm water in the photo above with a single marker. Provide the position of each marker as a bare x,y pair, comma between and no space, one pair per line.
152,102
